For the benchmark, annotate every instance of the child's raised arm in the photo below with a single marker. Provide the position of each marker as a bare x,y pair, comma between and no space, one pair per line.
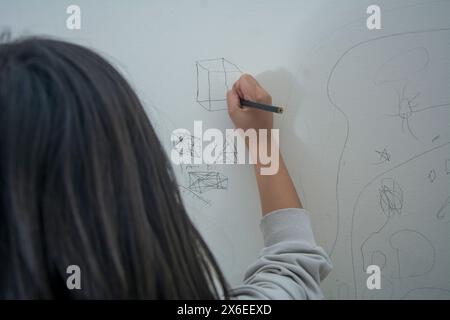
276,191
291,265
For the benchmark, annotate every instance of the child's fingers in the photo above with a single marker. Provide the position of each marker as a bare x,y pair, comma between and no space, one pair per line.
233,101
246,87
237,88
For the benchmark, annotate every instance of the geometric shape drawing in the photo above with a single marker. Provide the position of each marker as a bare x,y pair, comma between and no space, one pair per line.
184,143
214,78
229,153
192,194
391,197
202,181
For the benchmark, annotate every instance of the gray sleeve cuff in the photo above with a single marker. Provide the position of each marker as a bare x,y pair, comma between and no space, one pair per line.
286,225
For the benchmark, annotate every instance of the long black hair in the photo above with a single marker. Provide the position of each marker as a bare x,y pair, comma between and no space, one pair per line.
85,181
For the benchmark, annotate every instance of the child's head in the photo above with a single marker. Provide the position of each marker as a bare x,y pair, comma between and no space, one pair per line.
85,181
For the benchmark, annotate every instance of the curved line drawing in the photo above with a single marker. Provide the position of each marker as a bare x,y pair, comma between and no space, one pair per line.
407,108
443,105
399,60
391,203
414,237
360,20
362,191
380,254
345,143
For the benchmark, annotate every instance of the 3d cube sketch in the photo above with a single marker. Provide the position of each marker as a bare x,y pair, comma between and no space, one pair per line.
214,78
202,181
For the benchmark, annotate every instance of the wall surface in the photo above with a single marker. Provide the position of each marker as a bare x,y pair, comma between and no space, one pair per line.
365,134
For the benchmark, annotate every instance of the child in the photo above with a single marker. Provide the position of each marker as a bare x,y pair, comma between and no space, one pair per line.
85,181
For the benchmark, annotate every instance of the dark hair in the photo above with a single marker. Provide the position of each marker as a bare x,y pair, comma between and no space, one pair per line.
85,181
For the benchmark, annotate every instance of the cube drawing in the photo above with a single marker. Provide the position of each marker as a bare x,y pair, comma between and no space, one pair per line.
214,78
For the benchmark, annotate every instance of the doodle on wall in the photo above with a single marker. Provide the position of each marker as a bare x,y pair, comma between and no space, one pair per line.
384,244
214,78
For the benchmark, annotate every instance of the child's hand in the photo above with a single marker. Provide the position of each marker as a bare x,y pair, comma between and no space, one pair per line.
245,118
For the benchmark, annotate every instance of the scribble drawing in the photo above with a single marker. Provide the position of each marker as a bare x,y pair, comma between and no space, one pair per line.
443,214
414,252
214,78
202,181
187,143
406,106
391,197
228,154
393,203
432,175
383,156
192,194
447,166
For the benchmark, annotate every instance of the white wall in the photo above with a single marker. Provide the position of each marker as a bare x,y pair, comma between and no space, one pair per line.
346,90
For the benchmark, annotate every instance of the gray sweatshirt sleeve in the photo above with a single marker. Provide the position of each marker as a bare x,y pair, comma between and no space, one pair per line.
290,265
